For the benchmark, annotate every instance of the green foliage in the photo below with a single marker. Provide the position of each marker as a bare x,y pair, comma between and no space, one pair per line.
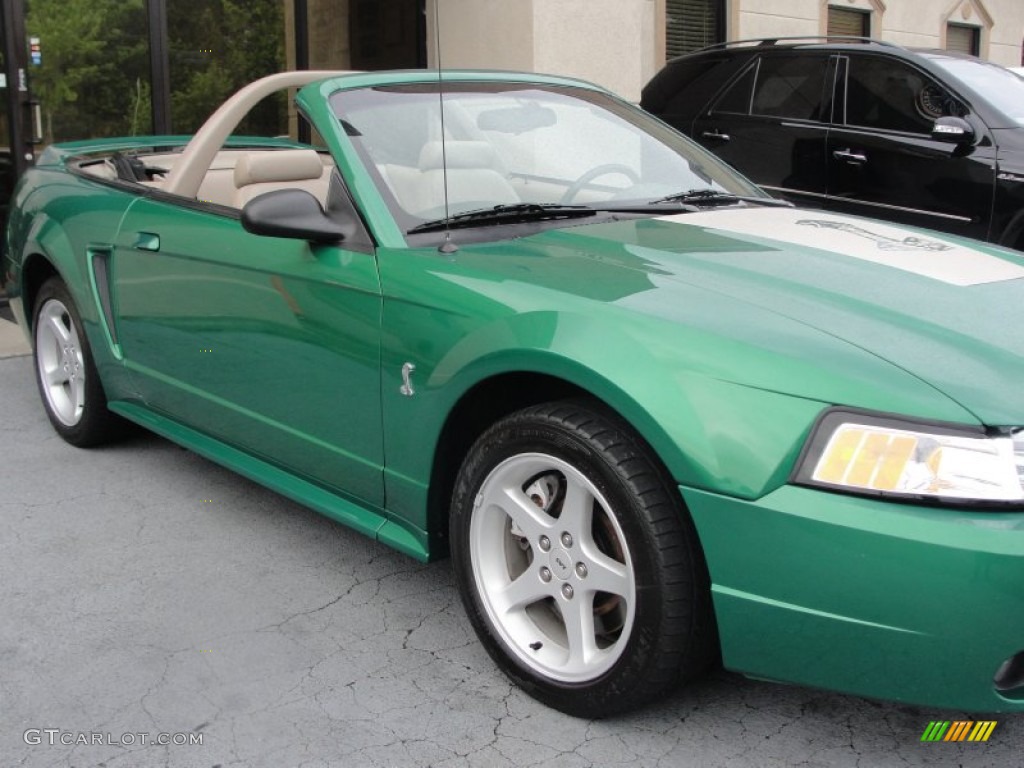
142,105
93,52
216,47
94,80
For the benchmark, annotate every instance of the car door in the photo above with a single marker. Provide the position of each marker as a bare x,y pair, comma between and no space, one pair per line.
771,123
268,344
883,161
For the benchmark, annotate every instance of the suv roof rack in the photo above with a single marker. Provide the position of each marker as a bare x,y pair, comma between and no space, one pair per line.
768,41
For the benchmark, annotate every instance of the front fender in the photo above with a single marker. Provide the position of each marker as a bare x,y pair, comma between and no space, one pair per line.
710,433
723,390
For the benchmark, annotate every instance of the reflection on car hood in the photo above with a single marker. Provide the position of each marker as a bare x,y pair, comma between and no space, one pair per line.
946,310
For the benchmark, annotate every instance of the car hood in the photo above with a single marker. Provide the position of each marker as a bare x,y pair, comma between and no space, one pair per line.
947,311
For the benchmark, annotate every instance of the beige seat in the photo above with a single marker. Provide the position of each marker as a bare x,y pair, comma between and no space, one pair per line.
475,179
259,172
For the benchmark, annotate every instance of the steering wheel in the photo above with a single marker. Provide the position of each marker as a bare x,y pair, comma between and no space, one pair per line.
601,170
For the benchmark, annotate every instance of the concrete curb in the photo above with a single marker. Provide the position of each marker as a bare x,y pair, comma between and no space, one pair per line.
12,340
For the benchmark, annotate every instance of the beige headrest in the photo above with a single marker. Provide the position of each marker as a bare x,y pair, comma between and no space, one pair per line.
278,165
459,154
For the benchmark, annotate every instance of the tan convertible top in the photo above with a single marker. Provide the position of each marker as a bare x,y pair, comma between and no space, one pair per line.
187,174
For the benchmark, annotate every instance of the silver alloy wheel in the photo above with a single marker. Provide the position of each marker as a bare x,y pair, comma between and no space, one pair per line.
59,361
552,568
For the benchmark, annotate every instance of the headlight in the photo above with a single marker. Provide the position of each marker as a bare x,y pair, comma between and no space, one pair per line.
885,456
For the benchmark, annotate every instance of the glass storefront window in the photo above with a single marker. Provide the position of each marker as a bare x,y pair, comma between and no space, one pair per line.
217,46
93,77
354,35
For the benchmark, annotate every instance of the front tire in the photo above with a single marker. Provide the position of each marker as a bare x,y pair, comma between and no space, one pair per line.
577,563
65,371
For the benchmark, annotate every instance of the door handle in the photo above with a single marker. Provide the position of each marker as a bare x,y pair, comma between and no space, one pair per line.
849,156
714,134
146,241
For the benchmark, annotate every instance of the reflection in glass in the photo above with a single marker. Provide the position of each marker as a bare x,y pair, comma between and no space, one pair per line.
93,79
216,47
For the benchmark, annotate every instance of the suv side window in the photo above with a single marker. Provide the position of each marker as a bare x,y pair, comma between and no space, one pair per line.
737,99
789,86
687,84
888,94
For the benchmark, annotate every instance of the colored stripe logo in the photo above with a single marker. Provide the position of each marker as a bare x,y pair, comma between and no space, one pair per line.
958,730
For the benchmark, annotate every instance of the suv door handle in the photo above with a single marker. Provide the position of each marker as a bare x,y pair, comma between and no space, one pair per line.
849,156
714,134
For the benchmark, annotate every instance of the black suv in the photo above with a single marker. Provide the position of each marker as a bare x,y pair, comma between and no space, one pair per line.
928,138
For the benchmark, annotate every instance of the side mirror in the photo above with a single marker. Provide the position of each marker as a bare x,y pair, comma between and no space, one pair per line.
953,130
292,213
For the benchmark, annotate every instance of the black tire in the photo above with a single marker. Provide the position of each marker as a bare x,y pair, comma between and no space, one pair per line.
82,419
648,553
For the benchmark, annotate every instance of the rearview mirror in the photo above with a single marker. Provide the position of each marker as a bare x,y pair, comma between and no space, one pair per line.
954,130
516,120
292,213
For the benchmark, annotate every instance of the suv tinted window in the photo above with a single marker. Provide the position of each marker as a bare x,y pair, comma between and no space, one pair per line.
736,100
685,85
790,86
1000,87
888,94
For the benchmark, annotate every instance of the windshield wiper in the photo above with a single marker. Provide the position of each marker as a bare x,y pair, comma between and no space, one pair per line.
505,214
718,197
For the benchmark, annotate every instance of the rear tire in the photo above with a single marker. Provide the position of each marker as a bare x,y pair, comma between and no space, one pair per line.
577,562
65,371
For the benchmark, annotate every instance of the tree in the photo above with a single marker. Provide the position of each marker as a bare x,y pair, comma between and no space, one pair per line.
94,53
95,80
216,47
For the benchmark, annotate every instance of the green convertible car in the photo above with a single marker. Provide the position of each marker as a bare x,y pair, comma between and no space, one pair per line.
655,416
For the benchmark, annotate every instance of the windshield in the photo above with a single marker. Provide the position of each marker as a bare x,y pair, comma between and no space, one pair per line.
1000,87
510,144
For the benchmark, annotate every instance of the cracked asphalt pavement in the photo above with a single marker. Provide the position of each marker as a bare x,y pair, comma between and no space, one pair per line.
145,590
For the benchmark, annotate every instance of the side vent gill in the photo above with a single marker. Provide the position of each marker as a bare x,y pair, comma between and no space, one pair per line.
99,268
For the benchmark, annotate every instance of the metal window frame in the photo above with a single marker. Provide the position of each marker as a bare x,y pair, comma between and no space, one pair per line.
159,66
16,71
